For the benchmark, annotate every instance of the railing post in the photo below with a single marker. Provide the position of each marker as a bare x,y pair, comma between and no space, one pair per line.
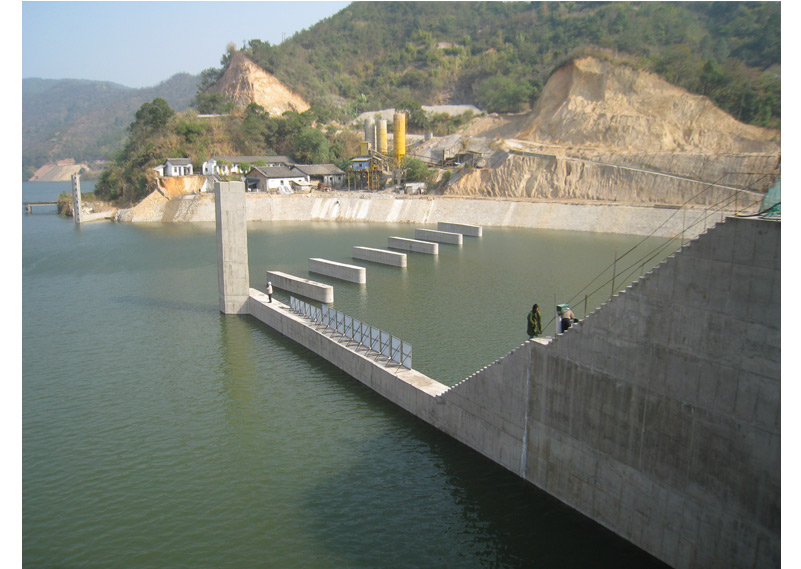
614,272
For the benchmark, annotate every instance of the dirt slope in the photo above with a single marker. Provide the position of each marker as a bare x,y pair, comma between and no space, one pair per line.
244,82
608,133
593,103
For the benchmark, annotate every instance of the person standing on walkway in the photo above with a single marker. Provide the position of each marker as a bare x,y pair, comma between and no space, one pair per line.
567,317
270,290
534,327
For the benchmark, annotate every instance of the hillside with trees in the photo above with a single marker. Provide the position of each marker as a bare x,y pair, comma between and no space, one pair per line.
86,120
498,55
495,55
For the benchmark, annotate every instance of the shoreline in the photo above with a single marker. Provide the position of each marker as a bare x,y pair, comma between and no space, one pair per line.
661,220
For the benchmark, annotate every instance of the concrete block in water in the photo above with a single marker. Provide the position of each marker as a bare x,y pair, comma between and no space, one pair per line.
414,245
438,236
342,271
304,287
463,228
380,256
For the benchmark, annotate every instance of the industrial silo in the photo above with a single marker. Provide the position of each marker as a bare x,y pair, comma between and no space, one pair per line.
369,133
382,136
400,136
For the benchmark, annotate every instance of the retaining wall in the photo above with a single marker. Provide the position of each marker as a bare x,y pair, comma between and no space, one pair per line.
658,415
386,208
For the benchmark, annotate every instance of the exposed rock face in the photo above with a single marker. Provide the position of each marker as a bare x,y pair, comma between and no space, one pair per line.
60,172
591,102
244,82
173,186
610,133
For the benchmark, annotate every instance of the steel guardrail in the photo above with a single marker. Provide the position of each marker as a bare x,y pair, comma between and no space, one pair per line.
375,340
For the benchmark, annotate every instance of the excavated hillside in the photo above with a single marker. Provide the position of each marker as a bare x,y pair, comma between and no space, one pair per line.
607,132
244,82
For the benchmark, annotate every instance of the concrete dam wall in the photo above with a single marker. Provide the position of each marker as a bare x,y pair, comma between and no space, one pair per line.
658,415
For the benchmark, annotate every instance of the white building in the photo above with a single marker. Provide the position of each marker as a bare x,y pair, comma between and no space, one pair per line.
175,167
325,174
232,165
276,179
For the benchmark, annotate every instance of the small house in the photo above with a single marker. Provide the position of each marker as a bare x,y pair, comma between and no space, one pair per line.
276,179
175,167
232,165
323,174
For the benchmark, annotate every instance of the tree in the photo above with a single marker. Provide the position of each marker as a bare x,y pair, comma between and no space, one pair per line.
190,131
416,170
211,104
311,146
417,118
153,115
500,94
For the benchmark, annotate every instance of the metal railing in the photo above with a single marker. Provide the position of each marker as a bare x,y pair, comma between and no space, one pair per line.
373,339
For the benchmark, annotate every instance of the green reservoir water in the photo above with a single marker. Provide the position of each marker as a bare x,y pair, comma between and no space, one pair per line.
157,432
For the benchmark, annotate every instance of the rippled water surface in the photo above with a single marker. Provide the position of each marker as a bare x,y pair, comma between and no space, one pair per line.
158,432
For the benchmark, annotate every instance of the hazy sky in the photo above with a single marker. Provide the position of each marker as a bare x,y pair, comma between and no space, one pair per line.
140,44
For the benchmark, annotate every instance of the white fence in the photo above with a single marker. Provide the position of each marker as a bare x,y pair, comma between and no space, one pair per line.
373,339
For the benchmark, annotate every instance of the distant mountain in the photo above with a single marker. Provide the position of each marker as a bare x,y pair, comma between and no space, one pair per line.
86,120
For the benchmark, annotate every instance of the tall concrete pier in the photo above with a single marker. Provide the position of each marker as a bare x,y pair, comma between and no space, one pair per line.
658,415
76,199
232,247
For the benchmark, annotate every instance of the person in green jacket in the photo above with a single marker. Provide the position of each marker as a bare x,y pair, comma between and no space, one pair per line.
534,327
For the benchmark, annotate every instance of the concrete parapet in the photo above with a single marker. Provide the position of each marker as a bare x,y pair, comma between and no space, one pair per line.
464,229
413,245
310,289
380,256
408,388
438,236
342,271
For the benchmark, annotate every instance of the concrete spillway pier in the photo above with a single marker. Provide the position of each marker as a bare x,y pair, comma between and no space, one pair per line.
380,256
77,209
304,287
413,245
658,416
341,271
438,236
463,228
233,275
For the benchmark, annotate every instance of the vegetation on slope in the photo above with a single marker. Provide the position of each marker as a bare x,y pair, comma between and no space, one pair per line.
159,133
86,120
498,55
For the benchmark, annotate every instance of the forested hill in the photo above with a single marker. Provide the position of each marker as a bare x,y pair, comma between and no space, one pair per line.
498,55
86,120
